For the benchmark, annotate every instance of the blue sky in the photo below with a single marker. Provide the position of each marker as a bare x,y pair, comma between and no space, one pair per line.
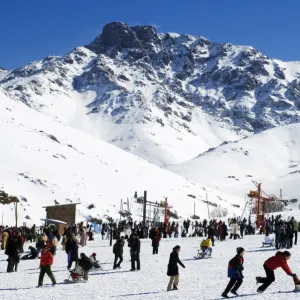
33,29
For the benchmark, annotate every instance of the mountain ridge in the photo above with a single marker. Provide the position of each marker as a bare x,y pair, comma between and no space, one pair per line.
168,91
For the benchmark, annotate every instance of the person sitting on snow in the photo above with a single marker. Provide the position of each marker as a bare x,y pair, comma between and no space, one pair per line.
206,246
32,255
82,268
94,261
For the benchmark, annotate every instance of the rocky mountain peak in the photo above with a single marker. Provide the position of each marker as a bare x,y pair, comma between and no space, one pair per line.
119,35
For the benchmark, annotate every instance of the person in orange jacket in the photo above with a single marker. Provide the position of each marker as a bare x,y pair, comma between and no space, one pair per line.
45,266
271,264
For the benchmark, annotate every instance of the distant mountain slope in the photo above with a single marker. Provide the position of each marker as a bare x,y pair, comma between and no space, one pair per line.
174,95
42,160
271,157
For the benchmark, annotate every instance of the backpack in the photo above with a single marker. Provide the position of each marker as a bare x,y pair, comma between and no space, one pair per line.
115,248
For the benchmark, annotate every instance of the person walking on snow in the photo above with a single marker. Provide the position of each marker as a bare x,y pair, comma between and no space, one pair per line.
45,266
135,247
173,269
278,261
235,269
118,252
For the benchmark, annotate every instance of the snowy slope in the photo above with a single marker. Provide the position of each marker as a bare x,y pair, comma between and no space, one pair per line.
200,280
174,95
43,160
271,157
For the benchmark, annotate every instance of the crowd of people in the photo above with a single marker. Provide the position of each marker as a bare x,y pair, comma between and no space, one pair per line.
77,235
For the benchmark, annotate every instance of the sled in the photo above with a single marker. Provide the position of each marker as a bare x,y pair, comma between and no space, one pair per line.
202,255
69,281
270,244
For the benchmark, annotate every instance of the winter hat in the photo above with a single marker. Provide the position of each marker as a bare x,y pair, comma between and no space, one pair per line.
176,247
239,250
94,254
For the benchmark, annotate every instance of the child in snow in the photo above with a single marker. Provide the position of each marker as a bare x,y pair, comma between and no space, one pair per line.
173,269
206,246
235,268
94,261
274,262
45,266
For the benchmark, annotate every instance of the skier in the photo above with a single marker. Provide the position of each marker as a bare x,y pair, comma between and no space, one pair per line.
45,266
173,269
235,268
278,261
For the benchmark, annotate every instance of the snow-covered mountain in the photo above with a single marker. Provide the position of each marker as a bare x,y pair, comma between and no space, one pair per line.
42,160
271,157
174,95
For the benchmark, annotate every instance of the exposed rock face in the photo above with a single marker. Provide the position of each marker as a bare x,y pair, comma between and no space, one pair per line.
120,36
166,77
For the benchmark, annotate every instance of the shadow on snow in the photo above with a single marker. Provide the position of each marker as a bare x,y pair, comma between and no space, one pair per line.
263,250
137,294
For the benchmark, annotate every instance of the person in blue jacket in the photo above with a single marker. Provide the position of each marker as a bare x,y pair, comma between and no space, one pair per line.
235,269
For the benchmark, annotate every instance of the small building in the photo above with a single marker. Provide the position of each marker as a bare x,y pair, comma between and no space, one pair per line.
62,212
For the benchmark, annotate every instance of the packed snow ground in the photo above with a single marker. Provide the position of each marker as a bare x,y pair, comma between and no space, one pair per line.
201,279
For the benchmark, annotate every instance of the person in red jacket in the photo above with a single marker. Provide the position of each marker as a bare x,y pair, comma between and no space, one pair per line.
271,264
156,237
45,266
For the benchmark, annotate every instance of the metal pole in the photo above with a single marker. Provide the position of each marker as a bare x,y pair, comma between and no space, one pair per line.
145,207
121,209
207,206
258,206
16,213
111,233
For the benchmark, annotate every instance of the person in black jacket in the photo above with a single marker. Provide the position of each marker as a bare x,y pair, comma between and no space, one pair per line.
135,247
211,233
235,268
13,255
86,265
118,252
72,250
33,254
173,269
